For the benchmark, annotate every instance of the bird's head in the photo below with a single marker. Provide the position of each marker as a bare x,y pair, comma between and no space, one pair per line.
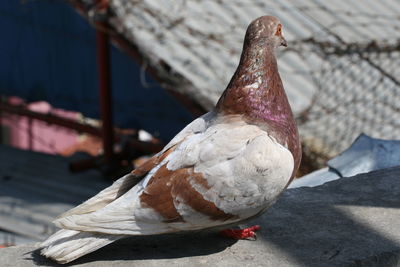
266,28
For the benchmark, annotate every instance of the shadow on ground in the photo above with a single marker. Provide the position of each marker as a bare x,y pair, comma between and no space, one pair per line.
342,222
170,246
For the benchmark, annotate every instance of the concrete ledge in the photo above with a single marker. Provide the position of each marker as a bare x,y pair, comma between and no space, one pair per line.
348,222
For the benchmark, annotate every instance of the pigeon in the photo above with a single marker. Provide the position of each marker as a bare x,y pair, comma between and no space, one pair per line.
222,169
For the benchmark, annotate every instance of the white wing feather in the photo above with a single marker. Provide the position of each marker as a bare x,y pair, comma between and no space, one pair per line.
245,168
109,194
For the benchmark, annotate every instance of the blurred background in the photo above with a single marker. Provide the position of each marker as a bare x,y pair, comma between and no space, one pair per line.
90,88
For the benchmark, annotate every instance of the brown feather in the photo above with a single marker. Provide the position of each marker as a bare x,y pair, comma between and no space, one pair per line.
167,187
141,171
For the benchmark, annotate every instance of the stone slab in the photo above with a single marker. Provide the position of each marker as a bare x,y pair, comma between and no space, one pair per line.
346,222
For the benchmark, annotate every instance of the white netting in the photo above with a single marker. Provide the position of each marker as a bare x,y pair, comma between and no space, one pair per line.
341,70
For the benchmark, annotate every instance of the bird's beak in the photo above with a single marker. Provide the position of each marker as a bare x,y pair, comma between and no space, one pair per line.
283,42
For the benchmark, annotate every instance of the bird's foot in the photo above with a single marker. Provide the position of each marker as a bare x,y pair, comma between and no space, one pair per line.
246,233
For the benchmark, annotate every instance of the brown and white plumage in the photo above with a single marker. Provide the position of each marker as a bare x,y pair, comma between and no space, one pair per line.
224,167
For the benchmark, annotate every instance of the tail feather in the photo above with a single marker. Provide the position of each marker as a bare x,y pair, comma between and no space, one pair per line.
68,245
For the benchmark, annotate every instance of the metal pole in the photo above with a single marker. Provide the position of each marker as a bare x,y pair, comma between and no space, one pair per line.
103,64
2,141
30,133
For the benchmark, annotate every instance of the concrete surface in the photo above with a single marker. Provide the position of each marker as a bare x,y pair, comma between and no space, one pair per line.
36,187
346,222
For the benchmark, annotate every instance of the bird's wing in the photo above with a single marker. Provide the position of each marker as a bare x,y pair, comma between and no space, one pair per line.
118,188
199,125
224,174
125,183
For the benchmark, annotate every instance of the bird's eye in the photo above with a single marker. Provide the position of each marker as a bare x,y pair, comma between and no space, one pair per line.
279,30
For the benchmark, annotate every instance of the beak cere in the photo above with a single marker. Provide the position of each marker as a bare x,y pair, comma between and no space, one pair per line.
283,42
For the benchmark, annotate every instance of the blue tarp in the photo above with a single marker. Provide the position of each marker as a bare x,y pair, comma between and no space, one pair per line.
48,52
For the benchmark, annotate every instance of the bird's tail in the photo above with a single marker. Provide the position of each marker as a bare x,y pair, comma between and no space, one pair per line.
67,245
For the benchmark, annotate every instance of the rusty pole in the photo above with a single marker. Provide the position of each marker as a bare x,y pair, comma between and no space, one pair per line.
103,66
2,141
